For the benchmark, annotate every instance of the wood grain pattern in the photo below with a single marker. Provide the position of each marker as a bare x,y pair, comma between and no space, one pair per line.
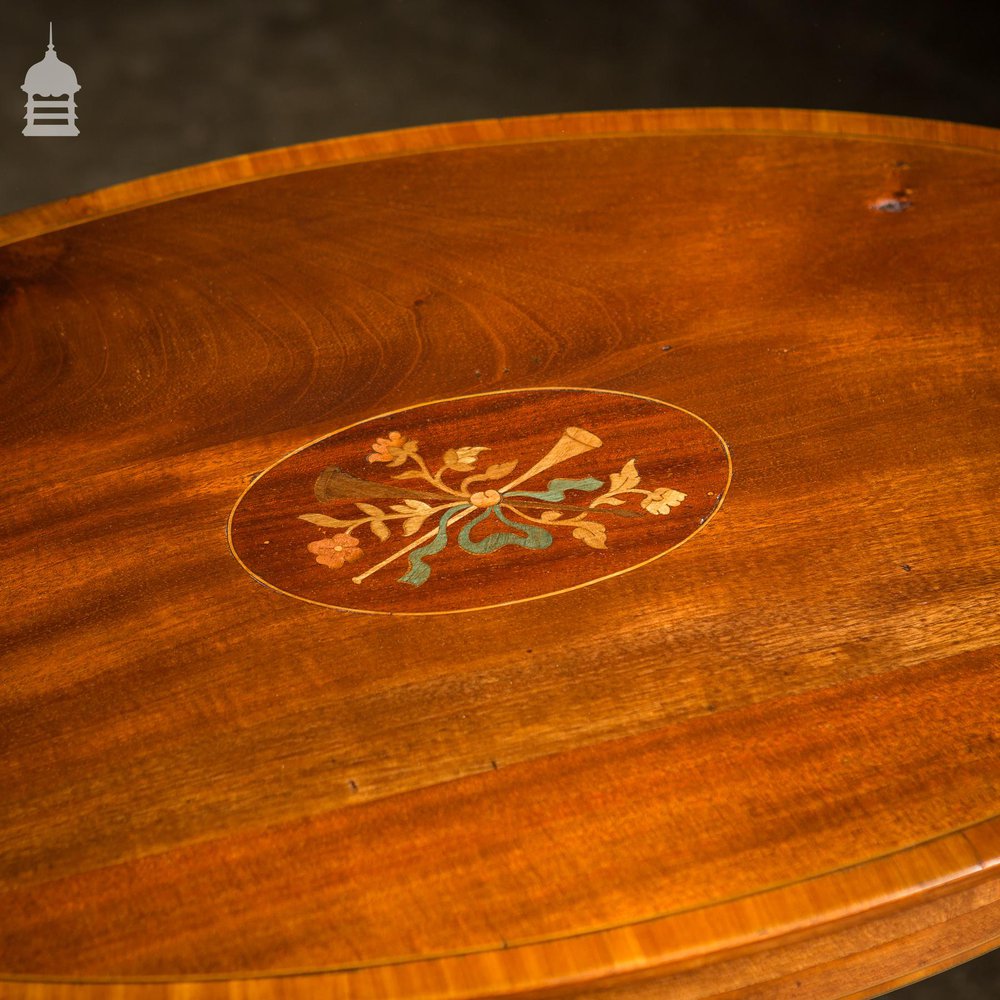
767,762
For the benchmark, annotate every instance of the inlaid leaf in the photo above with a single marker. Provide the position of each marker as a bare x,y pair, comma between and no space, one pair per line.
410,506
592,534
499,471
370,509
324,522
380,529
627,479
609,500
413,524
409,474
550,515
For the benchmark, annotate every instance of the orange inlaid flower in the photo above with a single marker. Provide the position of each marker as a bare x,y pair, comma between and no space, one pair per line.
393,449
336,551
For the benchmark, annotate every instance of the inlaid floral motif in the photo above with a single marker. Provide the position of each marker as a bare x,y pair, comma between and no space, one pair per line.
336,551
583,508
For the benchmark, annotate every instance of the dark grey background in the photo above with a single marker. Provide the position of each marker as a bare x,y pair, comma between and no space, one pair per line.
167,84
176,82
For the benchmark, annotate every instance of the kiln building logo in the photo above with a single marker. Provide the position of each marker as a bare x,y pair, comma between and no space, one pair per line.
51,86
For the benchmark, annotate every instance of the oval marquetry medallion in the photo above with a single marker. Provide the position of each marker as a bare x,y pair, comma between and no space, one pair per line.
480,501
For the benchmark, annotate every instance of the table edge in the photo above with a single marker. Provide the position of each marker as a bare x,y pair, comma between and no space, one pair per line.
157,188
929,874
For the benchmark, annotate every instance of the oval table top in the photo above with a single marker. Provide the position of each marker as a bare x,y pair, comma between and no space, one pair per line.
712,705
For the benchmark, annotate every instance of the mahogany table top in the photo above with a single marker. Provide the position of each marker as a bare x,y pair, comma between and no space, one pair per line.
554,556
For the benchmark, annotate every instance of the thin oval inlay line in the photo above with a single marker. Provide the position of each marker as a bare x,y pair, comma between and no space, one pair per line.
480,501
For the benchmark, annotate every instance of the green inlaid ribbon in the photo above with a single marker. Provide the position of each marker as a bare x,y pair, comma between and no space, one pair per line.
524,535
531,537
419,572
558,488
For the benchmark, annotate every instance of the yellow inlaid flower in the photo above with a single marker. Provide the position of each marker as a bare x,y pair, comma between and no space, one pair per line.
487,498
660,501
462,459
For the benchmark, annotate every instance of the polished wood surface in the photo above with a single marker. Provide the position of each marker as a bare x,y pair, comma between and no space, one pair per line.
764,760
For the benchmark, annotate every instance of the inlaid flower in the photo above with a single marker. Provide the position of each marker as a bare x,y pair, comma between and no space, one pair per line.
660,501
462,459
486,498
500,516
394,449
336,550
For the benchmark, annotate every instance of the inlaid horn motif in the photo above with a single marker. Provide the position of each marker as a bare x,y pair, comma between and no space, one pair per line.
482,501
455,491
